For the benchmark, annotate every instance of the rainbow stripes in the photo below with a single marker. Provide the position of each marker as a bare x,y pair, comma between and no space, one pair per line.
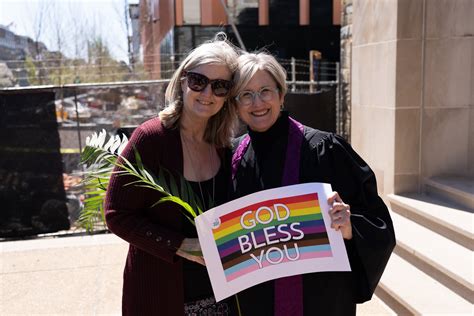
265,238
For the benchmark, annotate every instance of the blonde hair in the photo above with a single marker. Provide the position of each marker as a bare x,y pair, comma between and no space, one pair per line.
221,126
250,63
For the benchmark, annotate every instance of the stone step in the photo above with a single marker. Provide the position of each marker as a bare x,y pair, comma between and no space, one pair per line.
457,189
409,291
453,222
444,260
374,307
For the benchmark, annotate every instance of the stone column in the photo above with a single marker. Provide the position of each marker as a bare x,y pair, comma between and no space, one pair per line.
336,10
448,119
346,57
412,99
374,34
304,12
263,9
212,13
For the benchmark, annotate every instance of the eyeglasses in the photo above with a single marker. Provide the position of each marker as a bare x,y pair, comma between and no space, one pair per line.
198,82
247,97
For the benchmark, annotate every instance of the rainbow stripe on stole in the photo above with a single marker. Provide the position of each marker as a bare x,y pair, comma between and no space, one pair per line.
303,209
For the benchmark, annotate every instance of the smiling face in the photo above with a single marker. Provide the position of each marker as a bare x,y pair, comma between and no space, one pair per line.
203,104
261,115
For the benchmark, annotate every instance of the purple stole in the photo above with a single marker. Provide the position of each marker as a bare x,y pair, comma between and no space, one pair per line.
289,290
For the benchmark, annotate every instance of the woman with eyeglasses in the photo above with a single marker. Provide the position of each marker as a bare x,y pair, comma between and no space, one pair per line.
279,151
191,137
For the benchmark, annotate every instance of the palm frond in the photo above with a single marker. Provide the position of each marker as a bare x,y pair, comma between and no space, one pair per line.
100,158
178,201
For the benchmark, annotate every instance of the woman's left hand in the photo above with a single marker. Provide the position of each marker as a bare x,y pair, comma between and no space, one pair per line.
340,214
191,249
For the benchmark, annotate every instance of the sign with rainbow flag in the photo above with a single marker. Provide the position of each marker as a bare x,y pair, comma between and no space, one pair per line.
268,235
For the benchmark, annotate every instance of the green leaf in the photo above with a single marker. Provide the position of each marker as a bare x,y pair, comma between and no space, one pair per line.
100,158
174,188
190,218
184,190
138,159
161,175
178,201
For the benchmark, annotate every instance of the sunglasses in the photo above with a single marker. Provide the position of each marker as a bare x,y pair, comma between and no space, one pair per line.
198,82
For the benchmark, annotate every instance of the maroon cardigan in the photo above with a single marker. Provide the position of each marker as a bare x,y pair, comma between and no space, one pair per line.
153,280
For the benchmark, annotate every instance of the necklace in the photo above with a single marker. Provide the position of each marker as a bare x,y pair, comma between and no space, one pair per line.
211,160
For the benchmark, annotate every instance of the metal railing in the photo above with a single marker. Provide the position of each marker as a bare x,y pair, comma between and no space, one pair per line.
84,108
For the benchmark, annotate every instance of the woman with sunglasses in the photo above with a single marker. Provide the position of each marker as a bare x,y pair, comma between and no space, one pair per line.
190,137
279,151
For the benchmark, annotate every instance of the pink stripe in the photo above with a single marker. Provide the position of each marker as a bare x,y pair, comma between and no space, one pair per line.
254,267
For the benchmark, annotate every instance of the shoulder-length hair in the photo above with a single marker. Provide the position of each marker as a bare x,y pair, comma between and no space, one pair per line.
220,127
249,63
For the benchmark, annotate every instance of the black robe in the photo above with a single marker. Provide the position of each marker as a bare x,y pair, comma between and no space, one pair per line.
325,157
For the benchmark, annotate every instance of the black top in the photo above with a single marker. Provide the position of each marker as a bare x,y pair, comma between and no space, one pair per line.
325,157
196,280
269,149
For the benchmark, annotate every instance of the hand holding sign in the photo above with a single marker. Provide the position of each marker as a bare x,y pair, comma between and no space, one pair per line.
191,249
270,234
340,214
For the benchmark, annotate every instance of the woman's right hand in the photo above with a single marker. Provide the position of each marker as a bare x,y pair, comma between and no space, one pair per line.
190,249
340,214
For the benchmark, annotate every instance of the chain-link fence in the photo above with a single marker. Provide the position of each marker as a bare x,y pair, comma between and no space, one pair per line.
76,111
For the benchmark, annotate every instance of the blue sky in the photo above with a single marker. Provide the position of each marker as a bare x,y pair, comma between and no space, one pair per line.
68,20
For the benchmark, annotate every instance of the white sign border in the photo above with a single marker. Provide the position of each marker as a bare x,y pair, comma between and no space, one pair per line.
222,288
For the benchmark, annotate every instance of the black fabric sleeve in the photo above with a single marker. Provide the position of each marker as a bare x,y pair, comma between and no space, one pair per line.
372,229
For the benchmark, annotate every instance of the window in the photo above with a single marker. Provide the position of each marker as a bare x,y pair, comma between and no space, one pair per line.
192,12
153,10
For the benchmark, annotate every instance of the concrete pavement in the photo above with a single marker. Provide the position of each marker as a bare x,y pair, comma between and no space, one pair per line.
80,275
